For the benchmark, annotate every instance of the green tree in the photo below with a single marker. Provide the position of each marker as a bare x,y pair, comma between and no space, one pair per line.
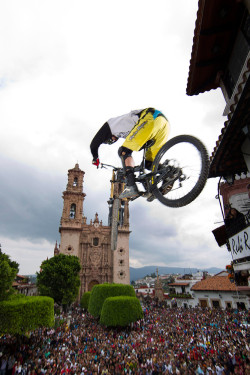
102,291
21,314
8,271
171,279
84,302
120,311
59,279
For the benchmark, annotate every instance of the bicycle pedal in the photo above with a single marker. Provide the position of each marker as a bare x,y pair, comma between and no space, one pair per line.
151,198
146,195
166,189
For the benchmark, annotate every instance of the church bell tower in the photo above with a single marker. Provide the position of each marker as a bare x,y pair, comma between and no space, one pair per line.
121,272
71,220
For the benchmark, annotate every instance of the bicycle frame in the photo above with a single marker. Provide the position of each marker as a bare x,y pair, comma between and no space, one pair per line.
166,177
141,175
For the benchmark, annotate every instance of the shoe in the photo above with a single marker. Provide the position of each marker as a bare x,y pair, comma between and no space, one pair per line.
129,192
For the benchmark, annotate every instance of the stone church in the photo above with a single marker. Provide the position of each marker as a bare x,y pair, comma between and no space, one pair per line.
91,242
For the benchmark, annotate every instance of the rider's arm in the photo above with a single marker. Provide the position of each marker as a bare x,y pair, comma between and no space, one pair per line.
101,136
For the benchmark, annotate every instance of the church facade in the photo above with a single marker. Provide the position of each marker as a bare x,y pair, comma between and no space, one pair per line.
91,242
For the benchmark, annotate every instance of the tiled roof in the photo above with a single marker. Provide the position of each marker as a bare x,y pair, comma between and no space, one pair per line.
215,29
227,153
215,283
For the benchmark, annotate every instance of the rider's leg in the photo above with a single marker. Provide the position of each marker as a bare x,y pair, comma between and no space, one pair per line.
147,128
159,135
128,166
160,138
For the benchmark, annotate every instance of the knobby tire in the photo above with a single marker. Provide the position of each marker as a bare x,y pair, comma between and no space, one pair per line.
198,187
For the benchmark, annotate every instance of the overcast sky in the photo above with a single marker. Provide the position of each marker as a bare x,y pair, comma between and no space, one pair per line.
68,66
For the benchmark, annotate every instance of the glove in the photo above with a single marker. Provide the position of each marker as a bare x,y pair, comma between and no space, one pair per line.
96,162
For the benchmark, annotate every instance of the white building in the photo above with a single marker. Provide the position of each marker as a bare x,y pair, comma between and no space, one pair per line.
219,291
214,292
144,290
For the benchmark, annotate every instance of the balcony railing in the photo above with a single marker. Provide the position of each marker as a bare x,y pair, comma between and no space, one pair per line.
231,228
236,225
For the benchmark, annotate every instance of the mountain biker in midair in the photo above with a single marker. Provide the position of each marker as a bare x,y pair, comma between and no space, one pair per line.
137,127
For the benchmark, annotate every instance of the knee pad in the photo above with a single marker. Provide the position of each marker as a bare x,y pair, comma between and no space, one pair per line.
124,152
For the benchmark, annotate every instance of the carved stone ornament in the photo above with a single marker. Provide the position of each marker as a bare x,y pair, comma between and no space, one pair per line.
95,257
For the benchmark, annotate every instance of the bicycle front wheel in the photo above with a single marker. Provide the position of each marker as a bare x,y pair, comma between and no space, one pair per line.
187,160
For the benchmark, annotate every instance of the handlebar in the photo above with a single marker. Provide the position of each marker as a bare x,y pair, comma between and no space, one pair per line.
109,165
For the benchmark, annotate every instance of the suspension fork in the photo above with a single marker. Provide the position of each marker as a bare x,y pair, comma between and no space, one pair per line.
112,184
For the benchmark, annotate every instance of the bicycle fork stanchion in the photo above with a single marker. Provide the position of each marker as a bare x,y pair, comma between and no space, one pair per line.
115,211
115,223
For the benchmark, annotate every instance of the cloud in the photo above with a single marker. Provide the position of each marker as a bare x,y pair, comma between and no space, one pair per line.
182,236
28,254
30,202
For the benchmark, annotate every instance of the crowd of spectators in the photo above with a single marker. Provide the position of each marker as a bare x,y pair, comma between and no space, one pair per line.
166,341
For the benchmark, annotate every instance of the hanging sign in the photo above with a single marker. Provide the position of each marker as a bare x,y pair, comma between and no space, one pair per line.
240,244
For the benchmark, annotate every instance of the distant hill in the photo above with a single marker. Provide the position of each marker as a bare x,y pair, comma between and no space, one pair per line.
140,273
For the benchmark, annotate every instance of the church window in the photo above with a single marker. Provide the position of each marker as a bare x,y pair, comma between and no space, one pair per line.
95,241
72,213
69,248
121,275
75,183
121,251
121,262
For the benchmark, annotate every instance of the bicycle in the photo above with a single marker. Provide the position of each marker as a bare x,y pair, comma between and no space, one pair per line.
178,175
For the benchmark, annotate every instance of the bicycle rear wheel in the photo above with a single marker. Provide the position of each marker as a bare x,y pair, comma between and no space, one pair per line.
115,223
187,160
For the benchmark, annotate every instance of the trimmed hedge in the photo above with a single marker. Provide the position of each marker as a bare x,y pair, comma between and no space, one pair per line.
120,311
84,302
20,315
100,292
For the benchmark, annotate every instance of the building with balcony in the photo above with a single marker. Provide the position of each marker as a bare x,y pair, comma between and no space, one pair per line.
22,284
221,59
211,292
218,292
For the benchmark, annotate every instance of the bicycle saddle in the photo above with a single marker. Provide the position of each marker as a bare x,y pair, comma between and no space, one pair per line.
147,144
